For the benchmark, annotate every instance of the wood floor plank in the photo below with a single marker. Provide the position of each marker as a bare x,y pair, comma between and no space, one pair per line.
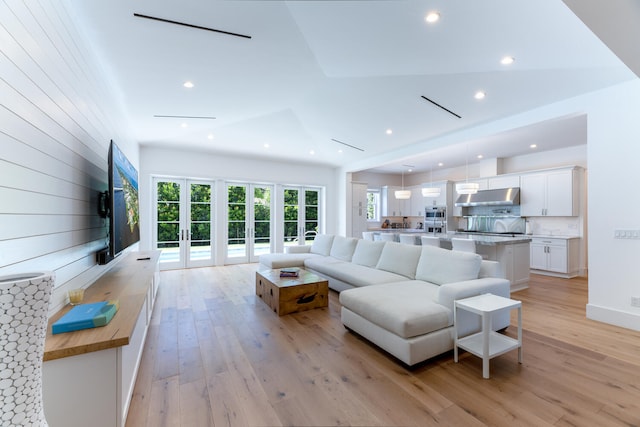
217,355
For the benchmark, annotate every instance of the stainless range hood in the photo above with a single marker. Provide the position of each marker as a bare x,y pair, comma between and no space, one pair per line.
501,196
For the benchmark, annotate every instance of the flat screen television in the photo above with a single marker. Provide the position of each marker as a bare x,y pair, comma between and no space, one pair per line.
124,222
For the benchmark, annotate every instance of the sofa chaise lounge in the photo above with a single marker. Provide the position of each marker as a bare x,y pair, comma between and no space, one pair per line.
398,296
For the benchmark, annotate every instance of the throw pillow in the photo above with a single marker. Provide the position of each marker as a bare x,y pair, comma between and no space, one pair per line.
440,266
322,244
343,247
367,253
399,258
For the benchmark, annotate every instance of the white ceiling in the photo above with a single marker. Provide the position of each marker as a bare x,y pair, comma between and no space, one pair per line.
317,71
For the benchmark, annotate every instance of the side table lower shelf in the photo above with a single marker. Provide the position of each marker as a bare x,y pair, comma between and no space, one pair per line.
498,344
487,344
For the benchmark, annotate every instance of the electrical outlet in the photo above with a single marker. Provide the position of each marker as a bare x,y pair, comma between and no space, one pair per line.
635,301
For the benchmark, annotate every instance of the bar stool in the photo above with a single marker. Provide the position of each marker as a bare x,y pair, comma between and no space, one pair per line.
367,235
407,239
388,237
464,245
430,241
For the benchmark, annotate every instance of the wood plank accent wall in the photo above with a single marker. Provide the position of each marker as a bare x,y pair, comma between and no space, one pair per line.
57,117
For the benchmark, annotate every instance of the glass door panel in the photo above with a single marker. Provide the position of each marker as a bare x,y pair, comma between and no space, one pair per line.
291,210
311,215
168,223
261,222
237,223
301,215
249,226
183,223
199,238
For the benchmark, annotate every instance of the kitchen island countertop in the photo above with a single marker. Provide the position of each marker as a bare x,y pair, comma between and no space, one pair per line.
480,239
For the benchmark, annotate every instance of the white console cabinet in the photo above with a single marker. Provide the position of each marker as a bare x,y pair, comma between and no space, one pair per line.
89,375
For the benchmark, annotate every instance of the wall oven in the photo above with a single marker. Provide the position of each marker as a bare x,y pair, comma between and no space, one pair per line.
435,219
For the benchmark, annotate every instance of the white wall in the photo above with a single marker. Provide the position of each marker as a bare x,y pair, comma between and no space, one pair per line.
56,121
216,167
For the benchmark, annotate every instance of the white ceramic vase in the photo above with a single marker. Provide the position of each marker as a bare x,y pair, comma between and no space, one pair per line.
24,306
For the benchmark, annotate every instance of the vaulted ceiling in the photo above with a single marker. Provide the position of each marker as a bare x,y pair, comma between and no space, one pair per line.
335,82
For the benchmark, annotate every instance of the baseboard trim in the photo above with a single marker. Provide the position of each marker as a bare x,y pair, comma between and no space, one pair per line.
614,317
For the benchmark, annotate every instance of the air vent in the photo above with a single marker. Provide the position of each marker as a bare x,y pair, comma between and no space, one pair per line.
184,24
440,106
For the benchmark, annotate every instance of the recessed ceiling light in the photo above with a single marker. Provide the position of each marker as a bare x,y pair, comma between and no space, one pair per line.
432,17
533,146
440,164
266,145
188,84
312,152
507,60
184,125
210,136
340,151
480,156
389,131
479,95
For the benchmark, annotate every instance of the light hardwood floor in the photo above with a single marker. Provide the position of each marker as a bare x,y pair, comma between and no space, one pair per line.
216,356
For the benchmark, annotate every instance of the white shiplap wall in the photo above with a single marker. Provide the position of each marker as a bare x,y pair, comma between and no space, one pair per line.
56,121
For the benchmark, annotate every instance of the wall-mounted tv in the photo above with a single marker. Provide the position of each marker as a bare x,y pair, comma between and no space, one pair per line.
124,223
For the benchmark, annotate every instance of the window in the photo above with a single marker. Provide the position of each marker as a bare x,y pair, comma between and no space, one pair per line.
373,205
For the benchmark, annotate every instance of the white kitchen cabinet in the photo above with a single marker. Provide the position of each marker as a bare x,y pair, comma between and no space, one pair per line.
503,181
417,202
551,193
392,206
555,256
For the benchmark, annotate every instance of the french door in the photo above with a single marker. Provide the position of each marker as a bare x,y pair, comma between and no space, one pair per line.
301,215
249,225
183,222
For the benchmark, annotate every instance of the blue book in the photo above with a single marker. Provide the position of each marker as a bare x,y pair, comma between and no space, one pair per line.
86,316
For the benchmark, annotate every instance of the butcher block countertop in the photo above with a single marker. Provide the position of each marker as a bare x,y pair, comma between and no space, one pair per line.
128,282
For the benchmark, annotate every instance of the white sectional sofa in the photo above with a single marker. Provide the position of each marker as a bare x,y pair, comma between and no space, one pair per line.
400,297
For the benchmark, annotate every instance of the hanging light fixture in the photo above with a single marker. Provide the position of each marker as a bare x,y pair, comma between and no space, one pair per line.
431,191
402,194
467,187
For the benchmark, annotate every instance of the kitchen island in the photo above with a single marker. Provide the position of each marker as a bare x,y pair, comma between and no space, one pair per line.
512,252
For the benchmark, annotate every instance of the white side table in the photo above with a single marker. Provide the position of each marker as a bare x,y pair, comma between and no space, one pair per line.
487,343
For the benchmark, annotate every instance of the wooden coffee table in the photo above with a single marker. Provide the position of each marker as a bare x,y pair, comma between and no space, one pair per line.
292,294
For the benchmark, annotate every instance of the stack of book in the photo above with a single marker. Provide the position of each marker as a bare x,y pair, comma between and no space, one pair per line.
85,316
289,272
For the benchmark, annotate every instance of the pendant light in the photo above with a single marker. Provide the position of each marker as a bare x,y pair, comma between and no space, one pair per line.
467,187
402,194
431,191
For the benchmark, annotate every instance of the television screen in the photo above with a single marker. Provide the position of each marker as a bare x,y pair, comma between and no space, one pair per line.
124,229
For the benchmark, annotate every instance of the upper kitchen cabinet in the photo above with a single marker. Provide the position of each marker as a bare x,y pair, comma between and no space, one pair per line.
417,202
392,206
550,193
503,181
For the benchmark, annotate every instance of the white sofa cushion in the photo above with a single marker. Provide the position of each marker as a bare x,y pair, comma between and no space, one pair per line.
280,260
407,309
400,259
348,272
322,244
367,253
343,247
297,249
440,266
